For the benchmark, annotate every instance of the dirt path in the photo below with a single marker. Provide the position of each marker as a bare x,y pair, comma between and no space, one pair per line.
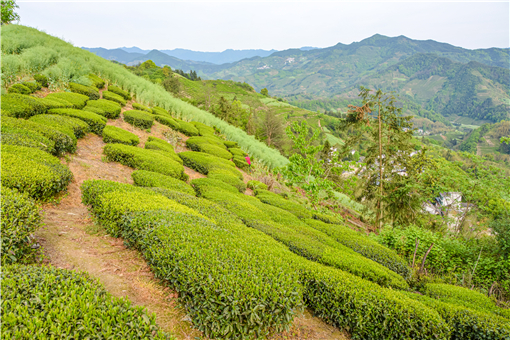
70,239
489,141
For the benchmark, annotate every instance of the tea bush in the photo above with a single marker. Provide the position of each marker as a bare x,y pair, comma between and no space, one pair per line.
159,111
186,128
114,97
203,163
203,184
89,91
194,142
63,143
241,162
97,82
120,92
154,143
280,202
51,303
327,218
363,245
33,86
103,107
208,148
140,107
167,121
55,104
113,134
33,171
19,88
229,179
230,144
203,129
22,106
237,152
139,119
77,127
95,121
20,218
143,159
253,184
41,79
145,178
77,100
22,137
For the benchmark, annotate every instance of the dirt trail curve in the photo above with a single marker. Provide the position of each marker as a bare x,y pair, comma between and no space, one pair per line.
70,239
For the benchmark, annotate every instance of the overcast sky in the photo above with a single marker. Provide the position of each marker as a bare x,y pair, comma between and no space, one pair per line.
216,26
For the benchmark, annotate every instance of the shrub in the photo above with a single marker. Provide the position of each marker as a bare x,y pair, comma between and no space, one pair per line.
63,143
41,79
237,152
208,145
229,179
186,128
95,121
22,137
140,107
22,106
363,245
20,218
154,143
33,171
159,111
89,91
77,127
113,134
50,303
327,218
467,323
203,184
203,129
194,142
203,163
229,144
166,120
19,88
98,82
139,119
253,184
103,107
77,100
143,159
33,86
241,162
120,92
280,202
114,97
55,104
152,179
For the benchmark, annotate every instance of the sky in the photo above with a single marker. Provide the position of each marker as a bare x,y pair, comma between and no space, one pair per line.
215,26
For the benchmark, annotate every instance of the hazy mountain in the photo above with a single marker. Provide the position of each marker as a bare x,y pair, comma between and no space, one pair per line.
117,54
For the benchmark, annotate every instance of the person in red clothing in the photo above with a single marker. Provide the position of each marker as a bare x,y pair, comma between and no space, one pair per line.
249,162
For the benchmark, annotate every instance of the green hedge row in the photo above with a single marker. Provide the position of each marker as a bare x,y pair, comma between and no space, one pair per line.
22,106
62,142
49,122
241,162
202,185
203,129
280,202
32,85
204,163
113,134
230,144
89,91
51,303
143,159
206,145
253,185
19,88
159,111
77,126
41,79
95,121
237,152
20,217
327,218
103,107
77,100
97,82
186,128
466,323
139,119
151,179
22,137
363,245
229,179
140,107
167,121
119,91
114,97
154,143
33,171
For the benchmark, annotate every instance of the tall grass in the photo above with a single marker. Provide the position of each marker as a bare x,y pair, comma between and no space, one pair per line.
27,51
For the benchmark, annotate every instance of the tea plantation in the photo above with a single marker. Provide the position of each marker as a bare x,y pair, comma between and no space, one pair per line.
244,260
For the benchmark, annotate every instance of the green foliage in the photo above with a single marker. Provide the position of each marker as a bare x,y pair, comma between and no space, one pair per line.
22,106
159,144
113,134
47,302
327,218
168,121
114,97
20,218
96,81
237,152
22,137
95,121
76,127
186,128
363,245
253,184
143,159
139,119
158,111
229,179
140,107
264,92
76,99
230,144
8,14
501,228
204,130
103,107
208,145
19,88
202,185
33,171
204,163
62,142
89,91
152,179
33,86
41,79
120,92
241,162
278,201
